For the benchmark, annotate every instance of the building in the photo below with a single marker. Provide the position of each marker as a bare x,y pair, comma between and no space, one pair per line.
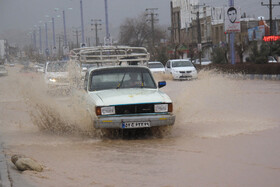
186,16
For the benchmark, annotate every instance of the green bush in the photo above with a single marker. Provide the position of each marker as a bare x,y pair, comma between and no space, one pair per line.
259,56
219,55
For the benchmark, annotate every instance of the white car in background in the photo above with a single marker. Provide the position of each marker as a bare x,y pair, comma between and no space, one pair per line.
204,61
56,75
156,67
181,69
271,59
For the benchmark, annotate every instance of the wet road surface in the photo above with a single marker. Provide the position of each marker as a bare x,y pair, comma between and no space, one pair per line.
226,134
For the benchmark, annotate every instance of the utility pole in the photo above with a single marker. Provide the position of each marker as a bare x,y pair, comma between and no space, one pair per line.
53,31
199,45
82,24
153,19
270,6
64,29
172,22
47,44
108,37
60,40
96,24
77,34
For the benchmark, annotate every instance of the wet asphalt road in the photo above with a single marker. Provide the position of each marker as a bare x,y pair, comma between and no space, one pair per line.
226,134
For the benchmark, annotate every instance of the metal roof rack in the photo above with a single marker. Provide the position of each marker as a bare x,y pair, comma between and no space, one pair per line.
116,55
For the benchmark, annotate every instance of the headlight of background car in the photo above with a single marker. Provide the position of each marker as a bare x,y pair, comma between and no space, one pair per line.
52,80
161,108
105,110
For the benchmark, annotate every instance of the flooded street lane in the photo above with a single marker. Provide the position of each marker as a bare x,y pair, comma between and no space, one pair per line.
226,134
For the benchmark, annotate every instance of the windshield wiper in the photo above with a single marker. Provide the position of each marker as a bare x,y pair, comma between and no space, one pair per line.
142,80
120,83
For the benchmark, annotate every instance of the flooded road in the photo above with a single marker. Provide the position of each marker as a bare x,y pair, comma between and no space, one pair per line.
226,134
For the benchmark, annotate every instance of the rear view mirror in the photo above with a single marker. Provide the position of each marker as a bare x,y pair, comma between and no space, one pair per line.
161,84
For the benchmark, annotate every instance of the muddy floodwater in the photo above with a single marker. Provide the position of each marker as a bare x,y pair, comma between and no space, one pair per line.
226,134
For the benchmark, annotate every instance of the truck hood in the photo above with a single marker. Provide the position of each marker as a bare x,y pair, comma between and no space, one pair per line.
128,96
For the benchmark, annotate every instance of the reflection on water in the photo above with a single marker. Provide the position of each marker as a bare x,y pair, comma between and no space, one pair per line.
216,106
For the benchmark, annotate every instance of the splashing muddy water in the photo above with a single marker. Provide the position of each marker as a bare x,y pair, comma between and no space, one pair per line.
212,106
57,110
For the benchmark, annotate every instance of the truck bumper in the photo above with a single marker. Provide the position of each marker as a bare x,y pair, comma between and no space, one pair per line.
118,122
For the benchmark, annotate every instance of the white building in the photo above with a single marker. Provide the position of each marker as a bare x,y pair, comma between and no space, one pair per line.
189,8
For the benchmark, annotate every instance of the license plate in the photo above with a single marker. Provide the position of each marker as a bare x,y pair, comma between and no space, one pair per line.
127,125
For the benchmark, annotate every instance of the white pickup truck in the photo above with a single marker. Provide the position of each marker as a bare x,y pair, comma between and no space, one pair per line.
120,91
126,98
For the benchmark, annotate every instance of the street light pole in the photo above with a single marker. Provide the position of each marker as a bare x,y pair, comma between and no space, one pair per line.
64,28
40,38
47,45
107,39
232,38
82,24
34,38
31,39
53,30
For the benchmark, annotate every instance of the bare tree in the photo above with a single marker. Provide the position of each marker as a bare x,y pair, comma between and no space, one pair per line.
134,31
137,32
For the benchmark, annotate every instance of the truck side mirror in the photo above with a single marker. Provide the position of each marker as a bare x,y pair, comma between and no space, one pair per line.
161,84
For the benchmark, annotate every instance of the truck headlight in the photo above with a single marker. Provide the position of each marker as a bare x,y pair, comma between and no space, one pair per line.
161,108
108,110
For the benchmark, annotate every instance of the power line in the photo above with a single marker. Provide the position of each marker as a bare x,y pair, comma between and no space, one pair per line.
270,6
96,24
199,45
153,19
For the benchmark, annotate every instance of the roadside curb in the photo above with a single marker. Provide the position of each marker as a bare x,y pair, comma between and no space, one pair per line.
4,173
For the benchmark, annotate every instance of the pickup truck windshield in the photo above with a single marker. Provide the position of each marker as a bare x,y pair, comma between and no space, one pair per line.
117,78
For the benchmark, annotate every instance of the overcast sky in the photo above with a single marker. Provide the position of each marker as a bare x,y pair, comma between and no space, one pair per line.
22,15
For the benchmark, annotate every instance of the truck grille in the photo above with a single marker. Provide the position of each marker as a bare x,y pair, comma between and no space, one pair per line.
185,71
135,109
